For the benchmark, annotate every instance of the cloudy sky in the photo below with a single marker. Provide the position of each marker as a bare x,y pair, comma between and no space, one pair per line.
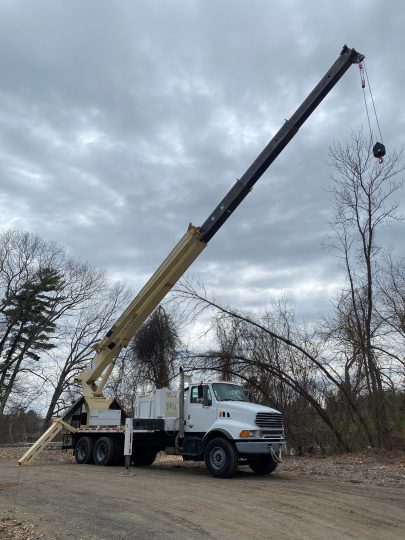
123,121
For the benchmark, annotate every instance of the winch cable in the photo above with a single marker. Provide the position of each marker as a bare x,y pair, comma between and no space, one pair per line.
363,86
372,101
378,147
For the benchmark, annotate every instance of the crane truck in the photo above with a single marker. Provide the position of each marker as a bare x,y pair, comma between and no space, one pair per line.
209,421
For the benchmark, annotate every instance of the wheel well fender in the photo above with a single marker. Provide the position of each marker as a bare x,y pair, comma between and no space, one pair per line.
213,435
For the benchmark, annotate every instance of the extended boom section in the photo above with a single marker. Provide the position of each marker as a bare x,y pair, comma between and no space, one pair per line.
280,140
165,277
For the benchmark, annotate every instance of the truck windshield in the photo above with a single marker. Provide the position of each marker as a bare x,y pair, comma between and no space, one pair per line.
229,392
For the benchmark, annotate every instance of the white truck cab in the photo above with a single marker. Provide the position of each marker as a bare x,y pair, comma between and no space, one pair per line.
220,426
225,406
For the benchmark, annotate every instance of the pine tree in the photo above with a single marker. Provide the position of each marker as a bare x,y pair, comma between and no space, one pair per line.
28,325
29,311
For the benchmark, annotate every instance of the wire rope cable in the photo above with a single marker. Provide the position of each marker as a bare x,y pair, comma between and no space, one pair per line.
372,101
378,147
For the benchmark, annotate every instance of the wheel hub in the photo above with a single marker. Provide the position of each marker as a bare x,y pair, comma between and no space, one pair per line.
218,457
101,452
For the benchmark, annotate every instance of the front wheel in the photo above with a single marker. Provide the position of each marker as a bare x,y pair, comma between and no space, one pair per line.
221,458
262,465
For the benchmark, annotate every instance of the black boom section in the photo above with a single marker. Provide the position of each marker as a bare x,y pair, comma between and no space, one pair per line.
242,187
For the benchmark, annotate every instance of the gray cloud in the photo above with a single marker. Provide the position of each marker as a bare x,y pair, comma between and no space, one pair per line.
123,121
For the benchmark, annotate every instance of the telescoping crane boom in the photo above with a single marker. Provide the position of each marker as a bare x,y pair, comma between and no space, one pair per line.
94,378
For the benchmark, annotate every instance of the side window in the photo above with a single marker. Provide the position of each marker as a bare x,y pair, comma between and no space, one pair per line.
207,395
194,394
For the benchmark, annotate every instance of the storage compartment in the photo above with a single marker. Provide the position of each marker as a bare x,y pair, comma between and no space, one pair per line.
160,404
108,417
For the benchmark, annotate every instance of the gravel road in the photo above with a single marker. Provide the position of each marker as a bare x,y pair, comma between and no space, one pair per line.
64,500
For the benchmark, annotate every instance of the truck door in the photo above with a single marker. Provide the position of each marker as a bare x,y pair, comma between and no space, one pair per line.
200,412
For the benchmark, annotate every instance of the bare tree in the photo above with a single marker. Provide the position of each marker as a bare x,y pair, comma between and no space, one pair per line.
76,336
126,381
151,359
155,348
228,338
345,370
274,346
392,309
362,189
39,285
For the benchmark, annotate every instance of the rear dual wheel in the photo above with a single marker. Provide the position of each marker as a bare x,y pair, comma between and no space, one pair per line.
84,450
103,451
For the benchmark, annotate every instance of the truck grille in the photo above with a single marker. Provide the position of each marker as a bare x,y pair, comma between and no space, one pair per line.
269,420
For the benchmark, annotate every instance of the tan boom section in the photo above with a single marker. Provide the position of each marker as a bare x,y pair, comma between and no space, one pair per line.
162,281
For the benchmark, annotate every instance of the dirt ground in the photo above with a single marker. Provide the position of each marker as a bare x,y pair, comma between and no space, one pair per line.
352,496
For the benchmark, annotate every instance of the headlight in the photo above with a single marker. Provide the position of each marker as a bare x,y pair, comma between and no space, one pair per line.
245,433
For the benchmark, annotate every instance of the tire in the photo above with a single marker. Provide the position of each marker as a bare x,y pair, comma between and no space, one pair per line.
221,458
262,465
84,450
143,458
105,451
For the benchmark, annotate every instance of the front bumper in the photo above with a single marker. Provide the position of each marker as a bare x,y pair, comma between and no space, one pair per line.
259,447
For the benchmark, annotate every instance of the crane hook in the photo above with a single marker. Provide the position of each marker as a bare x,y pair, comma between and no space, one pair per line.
379,151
